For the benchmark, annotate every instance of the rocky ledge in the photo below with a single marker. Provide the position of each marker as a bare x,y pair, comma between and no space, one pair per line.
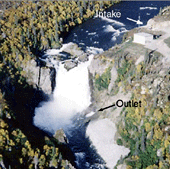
42,73
127,71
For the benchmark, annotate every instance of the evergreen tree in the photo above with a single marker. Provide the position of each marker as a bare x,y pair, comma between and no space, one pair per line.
22,38
16,20
56,32
81,12
42,31
101,4
61,26
143,140
89,6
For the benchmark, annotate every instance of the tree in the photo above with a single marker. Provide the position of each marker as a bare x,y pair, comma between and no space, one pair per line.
56,32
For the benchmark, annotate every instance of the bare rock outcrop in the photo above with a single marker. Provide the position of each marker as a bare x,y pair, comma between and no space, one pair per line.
41,74
153,24
70,64
61,137
96,65
39,77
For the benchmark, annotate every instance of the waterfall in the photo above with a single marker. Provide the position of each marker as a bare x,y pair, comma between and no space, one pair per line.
71,96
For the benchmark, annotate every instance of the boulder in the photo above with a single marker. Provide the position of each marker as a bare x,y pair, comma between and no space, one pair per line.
73,49
69,64
83,57
40,77
61,137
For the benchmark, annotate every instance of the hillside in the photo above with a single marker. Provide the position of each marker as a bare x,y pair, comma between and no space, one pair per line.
141,73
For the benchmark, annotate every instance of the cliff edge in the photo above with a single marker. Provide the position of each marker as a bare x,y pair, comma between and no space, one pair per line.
128,73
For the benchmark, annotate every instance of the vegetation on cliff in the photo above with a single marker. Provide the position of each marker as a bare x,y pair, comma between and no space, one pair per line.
102,82
145,130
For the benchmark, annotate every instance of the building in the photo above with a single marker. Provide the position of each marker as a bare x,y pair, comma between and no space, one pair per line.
142,38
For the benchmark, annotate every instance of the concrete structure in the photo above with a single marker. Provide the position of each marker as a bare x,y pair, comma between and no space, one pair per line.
142,38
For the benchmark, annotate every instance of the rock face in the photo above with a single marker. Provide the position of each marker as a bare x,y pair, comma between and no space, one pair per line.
158,25
96,65
76,55
73,49
127,78
61,137
41,77
113,78
162,20
70,64
102,132
101,128
83,57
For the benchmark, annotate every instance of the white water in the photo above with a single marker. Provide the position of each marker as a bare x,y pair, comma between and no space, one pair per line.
101,133
109,28
92,33
112,21
71,96
94,50
148,7
90,114
57,51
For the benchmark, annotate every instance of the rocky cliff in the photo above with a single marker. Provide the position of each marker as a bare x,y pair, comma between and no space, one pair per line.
41,77
131,71
42,73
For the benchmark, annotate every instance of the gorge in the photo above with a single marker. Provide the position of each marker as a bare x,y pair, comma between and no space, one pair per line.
73,125
102,131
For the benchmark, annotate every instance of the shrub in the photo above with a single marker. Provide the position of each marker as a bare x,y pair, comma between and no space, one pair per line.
102,82
119,142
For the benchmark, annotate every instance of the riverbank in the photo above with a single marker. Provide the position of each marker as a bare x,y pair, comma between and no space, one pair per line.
136,78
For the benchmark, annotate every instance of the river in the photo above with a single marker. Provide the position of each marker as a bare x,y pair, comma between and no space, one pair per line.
105,33
95,35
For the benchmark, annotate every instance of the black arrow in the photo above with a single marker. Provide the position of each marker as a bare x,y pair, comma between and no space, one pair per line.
106,107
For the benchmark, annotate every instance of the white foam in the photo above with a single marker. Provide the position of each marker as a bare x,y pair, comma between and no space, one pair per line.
94,50
147,7
96,42
71,95
81,43
113,38
101,133
57,51
90,114
122,30
53,52
117,33
109,28
80,155
112,21
92,33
